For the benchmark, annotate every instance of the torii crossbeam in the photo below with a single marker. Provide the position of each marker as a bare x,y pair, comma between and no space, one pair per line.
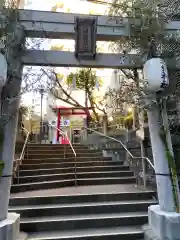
53,25
46,24
103,60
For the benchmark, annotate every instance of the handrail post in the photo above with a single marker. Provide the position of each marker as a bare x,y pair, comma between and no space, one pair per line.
137,172
84,133
75,171
105,125
64,151
126,145
27,153
18,163
18,173
144,167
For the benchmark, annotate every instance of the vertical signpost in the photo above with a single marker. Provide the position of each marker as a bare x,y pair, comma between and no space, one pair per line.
85,38
85,42
41,91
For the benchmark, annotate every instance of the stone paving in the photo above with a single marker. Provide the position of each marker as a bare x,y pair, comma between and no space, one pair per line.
81,190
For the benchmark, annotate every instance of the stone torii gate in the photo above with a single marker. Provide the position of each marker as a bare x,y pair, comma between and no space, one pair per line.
39,24
53,25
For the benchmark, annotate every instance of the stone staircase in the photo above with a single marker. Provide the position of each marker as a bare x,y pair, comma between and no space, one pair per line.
105,204
45,167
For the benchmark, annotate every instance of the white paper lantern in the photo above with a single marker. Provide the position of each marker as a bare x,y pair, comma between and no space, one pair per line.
3,70
155,75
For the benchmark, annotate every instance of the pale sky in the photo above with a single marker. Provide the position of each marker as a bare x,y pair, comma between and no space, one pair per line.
73,6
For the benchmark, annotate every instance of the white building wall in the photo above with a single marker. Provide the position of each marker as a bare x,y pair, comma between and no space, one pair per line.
51,103
115,82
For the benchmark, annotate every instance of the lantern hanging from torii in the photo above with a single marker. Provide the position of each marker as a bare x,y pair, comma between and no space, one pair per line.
155,75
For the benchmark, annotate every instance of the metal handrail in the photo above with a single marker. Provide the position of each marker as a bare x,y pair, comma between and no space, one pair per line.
119,141
75,162
25,142
19,161
129,153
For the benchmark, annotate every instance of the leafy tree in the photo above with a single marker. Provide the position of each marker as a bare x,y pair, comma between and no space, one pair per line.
84,79
60,6
88,81
57,47
147,20
119,99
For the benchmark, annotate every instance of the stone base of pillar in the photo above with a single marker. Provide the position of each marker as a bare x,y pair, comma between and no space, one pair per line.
162,225
9,228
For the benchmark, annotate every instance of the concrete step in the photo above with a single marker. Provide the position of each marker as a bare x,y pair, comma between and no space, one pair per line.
57,223
82,198
72,169
56,177
53,146
32,211
50,144
55,154
69,159
114,233
15,188
61,150
68,164
106,181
